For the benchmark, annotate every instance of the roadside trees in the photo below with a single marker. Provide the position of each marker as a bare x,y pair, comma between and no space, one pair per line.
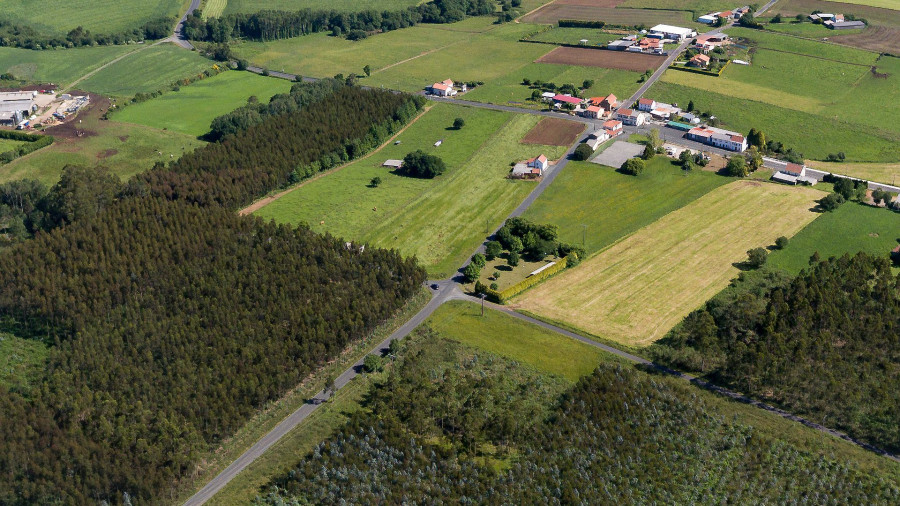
471,272
737,167
582,152
493,249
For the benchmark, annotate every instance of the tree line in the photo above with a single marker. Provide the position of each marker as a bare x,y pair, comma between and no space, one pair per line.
24,36
277,24
281,148
825,344
480,429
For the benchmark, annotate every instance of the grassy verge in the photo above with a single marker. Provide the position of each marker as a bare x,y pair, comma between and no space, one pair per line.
275,412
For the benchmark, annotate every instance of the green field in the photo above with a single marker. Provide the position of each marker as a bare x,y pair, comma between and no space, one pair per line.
496,332
57,17
59,66
126,149
788,126
699,7
9,145
605,205
884,4
21,361
769,40
851,228
509,88
150,69
806,29
191,109
642,286
441,220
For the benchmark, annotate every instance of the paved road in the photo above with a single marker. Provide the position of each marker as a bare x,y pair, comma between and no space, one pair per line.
178,37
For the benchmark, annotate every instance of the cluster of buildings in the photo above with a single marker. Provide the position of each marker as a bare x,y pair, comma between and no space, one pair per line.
836,21
700,61
445,89
652,41
720,138
593,108
610,128
793,173
707,42
725,16
532,168
16,107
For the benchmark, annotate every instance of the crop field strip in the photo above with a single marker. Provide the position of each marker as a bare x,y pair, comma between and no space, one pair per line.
882,35
554,132
149,70
555,11
639,288
586,57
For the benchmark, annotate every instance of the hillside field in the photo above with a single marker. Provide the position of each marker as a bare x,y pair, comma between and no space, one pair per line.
603,205
57,17
442,220
636,290
849,229
888,173
59,66
191,109
148,70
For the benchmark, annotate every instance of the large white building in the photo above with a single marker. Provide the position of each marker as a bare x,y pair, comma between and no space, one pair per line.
672,32
16,106
725,139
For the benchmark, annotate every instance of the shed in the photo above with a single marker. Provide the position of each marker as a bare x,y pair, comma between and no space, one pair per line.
393,163
679,126
846,25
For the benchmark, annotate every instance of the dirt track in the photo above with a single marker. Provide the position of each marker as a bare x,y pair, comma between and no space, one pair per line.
622,60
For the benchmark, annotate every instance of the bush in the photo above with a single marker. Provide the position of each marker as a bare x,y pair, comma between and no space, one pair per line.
648,153
781,242
493,249
471,272
582,152
458,123
479,260
831,201
633,166
737,167
513,259
373,363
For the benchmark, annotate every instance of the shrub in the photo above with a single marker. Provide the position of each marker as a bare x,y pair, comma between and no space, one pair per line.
756,257
493,249
781,242
458,123
420,164
633,166
582,152
831,201
737,167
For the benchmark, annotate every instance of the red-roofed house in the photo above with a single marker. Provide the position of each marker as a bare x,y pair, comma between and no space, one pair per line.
593,111
725,14
567,99
708,42
612,126
442,89
631,117
700,61
539,162
646,104
719,138
608,102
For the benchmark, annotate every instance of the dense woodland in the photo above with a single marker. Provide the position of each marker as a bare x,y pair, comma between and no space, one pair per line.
282,149
171,325
272,24
24,36
467,433
825,345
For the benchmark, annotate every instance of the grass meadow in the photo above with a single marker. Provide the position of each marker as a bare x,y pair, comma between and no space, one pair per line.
151,69
21,361
235,6
57,66
639,288
57,17
807,29
888,173
769,40
441,220
574,36
499,333
851,228
191,109
602,205
9,145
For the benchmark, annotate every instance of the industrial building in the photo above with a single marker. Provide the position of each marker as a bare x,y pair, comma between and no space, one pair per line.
15,106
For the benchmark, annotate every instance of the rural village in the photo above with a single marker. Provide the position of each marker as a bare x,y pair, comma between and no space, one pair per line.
450,251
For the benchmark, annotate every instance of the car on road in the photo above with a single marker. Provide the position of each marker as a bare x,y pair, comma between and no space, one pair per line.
434,286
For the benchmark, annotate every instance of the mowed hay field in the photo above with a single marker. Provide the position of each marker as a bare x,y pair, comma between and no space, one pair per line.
883,34
441,220
99,16
554,132
636,62
147,70
552,13
59,66
880,172
191,109
639,288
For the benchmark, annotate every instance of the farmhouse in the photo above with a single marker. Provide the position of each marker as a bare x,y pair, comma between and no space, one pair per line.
648,45
646,104
664,111
740,12
539,162
593,112
613,127
608,102
707,19
531,168
793,173
699,61
395,164
442,89
708,42
719,138
671,32
631,117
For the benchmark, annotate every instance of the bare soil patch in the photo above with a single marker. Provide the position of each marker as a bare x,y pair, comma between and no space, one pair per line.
72,129
108,153
882,39
602,10
553,132
584,57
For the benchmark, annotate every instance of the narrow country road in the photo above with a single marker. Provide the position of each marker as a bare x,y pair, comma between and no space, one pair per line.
178,37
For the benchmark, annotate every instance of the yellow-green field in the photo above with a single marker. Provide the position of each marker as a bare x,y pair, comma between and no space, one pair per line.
884,4
888,173
640,287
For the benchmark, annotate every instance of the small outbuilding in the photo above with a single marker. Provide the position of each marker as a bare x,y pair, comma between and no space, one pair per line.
395,164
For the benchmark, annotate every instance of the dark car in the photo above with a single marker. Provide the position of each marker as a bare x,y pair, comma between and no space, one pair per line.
434,286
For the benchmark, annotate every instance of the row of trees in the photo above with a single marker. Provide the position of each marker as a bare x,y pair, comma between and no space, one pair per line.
447,427
272,24
281,149
24,36
824,344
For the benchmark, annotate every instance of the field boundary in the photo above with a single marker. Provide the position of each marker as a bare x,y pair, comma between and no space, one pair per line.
263,202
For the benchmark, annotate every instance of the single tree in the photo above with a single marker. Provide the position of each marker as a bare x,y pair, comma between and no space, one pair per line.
513,259
831,201
479,260
845,187
737,167
781,242
587,83
690,106
421,164
754,159
653,139
494,286
375,182
458,123
496,275
756,257
373,363
582,152
329,386
777,18
368,70
471,272
536,95
633,166
648,153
